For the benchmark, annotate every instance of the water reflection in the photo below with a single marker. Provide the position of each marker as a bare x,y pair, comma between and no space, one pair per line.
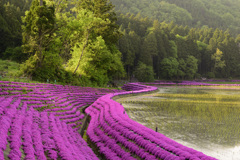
204,119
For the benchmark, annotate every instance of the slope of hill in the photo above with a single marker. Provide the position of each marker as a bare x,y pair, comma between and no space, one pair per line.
221,14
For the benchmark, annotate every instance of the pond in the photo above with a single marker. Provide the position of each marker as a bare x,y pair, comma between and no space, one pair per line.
205,119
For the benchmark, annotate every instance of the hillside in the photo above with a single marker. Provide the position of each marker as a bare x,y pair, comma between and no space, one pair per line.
221,14
176,52
165,39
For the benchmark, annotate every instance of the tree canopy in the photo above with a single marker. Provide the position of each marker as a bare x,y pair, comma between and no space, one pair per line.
176,51
221,14
71,39
85,41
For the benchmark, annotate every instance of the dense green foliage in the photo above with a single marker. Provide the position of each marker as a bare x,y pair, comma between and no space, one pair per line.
69,41
75,41
10,27
144,73
221,14
177,52
8,68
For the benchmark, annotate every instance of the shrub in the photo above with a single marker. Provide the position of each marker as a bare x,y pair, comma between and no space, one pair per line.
144,73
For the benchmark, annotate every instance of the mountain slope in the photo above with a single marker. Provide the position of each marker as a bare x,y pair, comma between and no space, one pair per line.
221,14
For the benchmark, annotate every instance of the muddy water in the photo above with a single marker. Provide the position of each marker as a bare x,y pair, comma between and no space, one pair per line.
212,127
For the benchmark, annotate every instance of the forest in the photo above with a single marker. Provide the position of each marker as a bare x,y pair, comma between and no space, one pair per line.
177,52
95,42
222,14
67,41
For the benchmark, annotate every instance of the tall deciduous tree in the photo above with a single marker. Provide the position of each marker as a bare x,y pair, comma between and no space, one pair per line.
169,67
105,10
144,73
91,56
217,58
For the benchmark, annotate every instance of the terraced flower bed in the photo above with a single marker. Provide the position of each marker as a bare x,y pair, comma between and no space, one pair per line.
118,137
41,120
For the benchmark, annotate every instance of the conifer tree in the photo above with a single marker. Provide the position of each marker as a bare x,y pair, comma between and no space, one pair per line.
38,37
38,29
191,66
149,49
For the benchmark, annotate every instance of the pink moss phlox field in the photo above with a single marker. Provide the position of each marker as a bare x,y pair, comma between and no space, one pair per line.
110,128
63,101
15,137
48,134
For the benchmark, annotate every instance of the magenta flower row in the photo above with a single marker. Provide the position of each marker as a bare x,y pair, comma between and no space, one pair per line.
40,134
112,130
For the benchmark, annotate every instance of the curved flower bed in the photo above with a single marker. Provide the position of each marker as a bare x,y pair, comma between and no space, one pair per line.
119,137
50,133
62,101
40,137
